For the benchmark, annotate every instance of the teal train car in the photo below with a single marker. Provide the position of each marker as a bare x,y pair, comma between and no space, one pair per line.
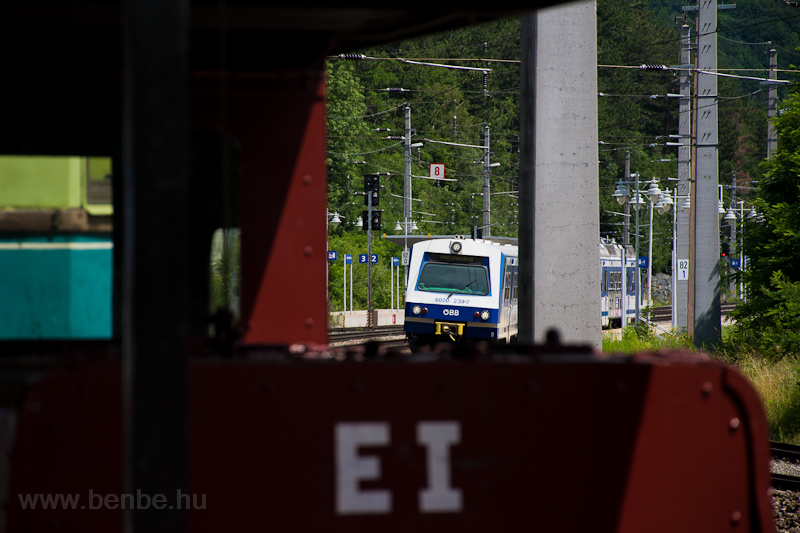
56,248
56,287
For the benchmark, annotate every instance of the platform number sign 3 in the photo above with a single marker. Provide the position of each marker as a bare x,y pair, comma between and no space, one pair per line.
437,171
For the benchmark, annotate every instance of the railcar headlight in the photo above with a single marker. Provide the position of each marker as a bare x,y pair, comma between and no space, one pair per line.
416,310
485,315
455,247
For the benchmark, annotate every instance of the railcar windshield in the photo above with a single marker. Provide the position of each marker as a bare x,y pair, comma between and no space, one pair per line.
454,278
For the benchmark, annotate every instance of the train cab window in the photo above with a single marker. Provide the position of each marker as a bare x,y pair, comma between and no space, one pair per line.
454,278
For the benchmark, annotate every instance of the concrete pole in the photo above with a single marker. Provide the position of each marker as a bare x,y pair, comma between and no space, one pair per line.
733,246
681,248
650,261
623,253
486,185
626,207
368,222
407,167
636,254
705,203
559,192
407,184
772,104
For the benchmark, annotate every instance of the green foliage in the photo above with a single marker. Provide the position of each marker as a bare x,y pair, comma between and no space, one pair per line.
642,339
355,244
768,317
455,106
775,332
778,386
225,278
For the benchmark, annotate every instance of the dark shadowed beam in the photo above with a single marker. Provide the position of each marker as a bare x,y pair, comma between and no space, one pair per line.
155,287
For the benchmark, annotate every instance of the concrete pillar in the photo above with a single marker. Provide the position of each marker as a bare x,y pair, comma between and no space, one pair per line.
559,220
705,197
681,249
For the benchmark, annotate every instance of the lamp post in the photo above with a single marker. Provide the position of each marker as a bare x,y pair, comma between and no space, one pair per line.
684,207
330,218
621,194
653,194
730,215
659,201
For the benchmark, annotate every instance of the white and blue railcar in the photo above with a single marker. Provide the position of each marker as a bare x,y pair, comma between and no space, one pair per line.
461,288
617,285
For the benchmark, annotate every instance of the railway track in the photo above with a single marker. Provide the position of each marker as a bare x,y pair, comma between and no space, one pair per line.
388,336
664,314
785,466
393,336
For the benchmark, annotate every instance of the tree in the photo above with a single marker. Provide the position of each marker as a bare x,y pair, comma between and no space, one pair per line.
347,135
772,243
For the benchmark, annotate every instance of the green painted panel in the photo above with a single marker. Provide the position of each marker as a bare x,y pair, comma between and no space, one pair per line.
41,181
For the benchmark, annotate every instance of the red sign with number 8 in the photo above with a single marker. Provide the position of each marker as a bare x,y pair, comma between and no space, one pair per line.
437,171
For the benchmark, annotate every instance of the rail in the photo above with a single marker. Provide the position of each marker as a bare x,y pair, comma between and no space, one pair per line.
789,454
390,336
663,314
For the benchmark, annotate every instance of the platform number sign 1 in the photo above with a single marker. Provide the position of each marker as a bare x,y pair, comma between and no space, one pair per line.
683,269
437,171
331,255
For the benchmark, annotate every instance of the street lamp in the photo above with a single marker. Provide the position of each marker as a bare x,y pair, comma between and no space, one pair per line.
731,217
658,200
330,218
684,206
654,195
622,195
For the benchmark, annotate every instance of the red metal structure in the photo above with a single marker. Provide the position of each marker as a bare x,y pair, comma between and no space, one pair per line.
560,442
214,115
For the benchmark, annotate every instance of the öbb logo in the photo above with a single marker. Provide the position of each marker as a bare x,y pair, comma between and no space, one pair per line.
450,312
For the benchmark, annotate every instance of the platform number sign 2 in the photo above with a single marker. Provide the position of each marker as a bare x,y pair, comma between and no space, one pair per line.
437,171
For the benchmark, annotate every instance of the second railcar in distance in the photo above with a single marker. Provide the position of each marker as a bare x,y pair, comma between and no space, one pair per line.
617,284
462,289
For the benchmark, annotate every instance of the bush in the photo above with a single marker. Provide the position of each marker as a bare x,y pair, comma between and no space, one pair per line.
773,333
778,385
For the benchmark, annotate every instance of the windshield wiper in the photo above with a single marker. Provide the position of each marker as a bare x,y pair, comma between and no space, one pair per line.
462,288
